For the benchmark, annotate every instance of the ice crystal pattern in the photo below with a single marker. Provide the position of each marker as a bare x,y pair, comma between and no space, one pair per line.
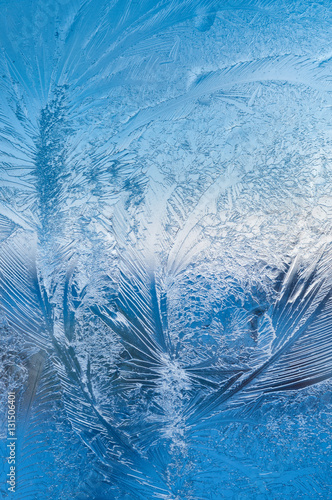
165,234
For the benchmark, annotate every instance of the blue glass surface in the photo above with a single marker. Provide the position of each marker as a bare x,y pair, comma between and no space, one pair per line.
165,249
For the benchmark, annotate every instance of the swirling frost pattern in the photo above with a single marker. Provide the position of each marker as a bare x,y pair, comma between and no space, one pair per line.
165,235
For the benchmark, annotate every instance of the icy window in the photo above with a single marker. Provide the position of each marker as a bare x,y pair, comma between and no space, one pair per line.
165,249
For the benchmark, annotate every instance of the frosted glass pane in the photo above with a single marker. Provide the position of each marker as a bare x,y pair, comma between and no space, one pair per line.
165,249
